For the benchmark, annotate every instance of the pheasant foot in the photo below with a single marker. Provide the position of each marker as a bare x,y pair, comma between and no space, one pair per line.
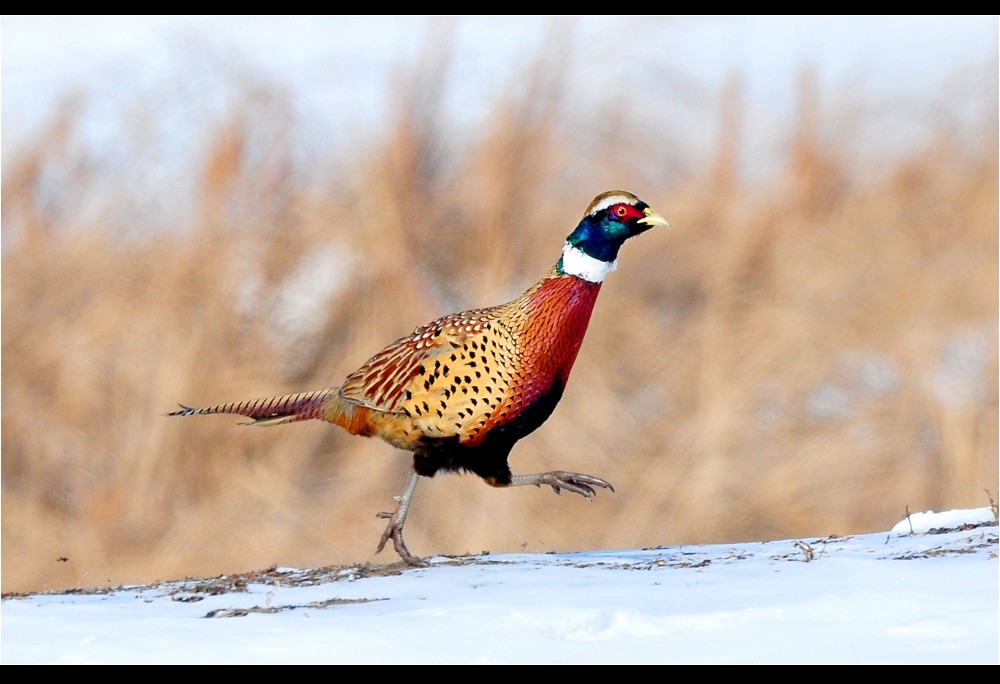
577,483
394,530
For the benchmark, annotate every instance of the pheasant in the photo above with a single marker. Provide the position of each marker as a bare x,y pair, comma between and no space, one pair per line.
460,391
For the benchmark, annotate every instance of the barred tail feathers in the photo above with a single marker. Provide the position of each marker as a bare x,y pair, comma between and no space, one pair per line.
271,410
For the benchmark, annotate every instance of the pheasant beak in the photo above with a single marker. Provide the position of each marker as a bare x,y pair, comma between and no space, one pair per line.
651,218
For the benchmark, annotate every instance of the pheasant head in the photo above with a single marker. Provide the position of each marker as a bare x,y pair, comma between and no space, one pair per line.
591,251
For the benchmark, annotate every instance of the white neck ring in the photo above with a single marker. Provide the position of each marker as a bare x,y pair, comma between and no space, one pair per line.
580,264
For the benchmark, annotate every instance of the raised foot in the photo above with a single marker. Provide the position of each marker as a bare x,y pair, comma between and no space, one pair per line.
578,483
394,531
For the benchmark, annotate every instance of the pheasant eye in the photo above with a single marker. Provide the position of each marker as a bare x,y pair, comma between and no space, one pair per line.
620,211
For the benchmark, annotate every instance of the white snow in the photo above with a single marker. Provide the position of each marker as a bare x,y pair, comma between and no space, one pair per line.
890,597
924,522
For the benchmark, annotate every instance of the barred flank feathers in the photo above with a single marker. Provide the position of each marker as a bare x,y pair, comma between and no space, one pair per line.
270,411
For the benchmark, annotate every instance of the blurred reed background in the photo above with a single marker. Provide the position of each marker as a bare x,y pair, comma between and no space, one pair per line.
809,353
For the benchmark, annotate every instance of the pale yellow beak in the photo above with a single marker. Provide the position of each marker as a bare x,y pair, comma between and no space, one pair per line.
651,218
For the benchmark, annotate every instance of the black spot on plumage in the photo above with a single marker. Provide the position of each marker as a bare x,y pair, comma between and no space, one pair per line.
468,379
474,402
426,407
443,405
475,389
454,358
440,415
421,370
409,394
445,371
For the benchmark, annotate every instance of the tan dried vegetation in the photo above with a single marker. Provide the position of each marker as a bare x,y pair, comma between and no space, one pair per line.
809,355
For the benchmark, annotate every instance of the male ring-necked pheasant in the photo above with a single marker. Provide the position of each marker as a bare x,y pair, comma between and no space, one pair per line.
461,390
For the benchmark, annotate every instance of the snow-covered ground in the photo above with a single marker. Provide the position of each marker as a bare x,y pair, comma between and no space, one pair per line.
930,596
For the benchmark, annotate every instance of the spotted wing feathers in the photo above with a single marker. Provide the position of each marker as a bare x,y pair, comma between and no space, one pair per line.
446,379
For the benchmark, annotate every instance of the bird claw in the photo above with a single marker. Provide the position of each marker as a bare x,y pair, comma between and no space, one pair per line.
394,531
578,483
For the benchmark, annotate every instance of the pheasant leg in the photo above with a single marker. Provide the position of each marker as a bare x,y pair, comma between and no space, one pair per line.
394,530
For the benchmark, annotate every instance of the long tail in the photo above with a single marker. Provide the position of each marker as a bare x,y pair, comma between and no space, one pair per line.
270,411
